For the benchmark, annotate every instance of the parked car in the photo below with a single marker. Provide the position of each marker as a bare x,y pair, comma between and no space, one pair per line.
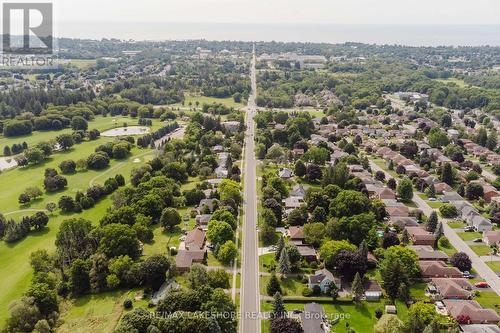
477,240
469,229
468,275
482,284
432,199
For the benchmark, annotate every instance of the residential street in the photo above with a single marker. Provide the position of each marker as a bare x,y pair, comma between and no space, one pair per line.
477,263
250,296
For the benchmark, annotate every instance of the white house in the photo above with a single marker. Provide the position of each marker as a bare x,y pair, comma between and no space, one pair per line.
323,278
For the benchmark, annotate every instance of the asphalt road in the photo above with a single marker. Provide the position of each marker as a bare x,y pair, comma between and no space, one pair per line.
250,295
477,263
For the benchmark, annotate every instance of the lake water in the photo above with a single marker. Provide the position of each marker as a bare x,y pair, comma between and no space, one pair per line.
412,35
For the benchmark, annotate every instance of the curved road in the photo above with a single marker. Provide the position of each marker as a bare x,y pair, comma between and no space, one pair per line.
250,292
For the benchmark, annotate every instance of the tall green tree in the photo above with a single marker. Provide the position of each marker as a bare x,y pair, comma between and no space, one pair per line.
357,287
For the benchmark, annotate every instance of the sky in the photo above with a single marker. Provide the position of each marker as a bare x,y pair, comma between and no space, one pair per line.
283,11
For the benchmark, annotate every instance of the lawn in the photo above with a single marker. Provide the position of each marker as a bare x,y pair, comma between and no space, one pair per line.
468,236
448,248
494,265
453,80
291,286
100,123
265,261
489,299
481,250
361,317
456,225
97,312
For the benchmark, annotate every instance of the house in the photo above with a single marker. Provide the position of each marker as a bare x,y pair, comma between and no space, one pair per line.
399,211
437,269
454,288
195,239
451,197
207,204
471,310
480,328
202,219
231,126
489,192
480,223
185,258
403,221
285,173
293,202
308,253
426,252
442,187
491,237
298,191
420,236
373,291
313,318
323,278
384,193
296,233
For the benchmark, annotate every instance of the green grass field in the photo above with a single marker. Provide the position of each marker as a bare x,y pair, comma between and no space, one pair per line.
360,317
494,265
468,236
489,299
100,123
481,250
456,225
291,286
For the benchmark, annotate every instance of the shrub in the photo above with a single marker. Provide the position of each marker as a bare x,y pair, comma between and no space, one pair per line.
127,304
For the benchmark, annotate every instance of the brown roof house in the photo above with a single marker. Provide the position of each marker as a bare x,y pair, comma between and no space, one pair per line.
420,236
296,233
452,288
472,311
491,237
195,239
438,269
308,253
426,252
185,258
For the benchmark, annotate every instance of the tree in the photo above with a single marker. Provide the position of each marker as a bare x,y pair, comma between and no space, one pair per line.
405,238
98,161
154,270
229,189
390,239
65,141
448,210
67,167
284,262
420,315
219,232
432,222
405,190
391,183
227,253
461,261
98,272
23,198
218,278
79,123
79,277
197,276
279,247
170,217
353,228
349,203
300,169
285,325
357,288
221,305
313,172
392,276
119,239
73,239
278,306
332,290
314,233
45,298
389,323
437,138
24,314
330,249
34,155
447,174
474,191
39,220
66,204
273,285
8,152
337,175
298,216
